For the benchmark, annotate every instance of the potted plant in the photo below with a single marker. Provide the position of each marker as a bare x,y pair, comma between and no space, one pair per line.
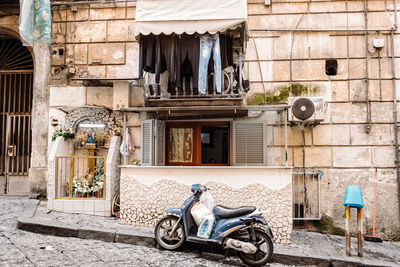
64,133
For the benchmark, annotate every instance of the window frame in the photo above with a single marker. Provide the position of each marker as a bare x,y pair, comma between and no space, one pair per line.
196,126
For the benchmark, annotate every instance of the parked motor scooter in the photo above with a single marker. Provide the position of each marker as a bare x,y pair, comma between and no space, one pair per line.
242,229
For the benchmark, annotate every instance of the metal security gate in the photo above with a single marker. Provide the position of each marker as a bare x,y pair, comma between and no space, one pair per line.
18,144
306,194
15,123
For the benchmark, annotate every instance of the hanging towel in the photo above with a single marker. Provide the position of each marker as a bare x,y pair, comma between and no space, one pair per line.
35,22
125,143
131,145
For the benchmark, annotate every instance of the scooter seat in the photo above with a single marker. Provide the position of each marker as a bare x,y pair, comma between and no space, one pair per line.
226,213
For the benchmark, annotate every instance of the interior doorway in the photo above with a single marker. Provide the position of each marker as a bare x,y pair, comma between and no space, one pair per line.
16,86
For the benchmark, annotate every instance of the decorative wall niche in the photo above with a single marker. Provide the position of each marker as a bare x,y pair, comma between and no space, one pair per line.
81,119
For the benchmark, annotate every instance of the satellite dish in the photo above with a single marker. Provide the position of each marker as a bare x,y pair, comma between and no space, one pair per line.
303,108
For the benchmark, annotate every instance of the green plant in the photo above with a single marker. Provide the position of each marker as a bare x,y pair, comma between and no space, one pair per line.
64,133
281,93
136,162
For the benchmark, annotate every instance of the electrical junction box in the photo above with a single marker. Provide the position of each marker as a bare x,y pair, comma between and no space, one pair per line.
378,43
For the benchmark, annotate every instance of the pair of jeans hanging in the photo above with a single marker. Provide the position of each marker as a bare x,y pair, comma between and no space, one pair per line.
209,44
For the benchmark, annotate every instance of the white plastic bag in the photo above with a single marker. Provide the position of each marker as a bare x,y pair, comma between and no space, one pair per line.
199,211
208,200
206,226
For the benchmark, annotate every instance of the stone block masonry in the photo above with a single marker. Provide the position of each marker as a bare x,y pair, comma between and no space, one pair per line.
98,40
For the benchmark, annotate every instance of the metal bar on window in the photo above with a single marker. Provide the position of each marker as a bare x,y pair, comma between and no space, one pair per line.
308,205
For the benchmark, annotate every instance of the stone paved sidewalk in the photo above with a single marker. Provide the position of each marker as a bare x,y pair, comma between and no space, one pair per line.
23,248
306,248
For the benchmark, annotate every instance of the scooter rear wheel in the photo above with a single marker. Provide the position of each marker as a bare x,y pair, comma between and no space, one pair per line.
162,232
264,252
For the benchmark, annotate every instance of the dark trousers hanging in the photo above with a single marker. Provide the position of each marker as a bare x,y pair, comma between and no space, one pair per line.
188,45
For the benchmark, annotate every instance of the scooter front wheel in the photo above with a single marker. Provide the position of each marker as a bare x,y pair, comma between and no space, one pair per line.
163,233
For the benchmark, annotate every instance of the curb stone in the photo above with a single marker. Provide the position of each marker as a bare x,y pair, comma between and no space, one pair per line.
119,236
146,239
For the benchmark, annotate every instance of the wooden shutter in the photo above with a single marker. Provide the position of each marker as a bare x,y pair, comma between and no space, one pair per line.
249,143
147,143
160,143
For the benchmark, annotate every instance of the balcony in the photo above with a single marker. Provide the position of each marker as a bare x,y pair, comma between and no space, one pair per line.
232,93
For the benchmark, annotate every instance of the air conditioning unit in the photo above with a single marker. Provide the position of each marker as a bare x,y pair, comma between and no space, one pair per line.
306,108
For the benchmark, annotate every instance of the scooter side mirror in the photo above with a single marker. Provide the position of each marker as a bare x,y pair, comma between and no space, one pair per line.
195,187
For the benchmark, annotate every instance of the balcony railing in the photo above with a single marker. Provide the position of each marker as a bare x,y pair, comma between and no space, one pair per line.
231,88
80,177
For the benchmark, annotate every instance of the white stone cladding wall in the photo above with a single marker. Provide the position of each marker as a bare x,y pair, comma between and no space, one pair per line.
60,147
112,170
145,204
99,207
113,119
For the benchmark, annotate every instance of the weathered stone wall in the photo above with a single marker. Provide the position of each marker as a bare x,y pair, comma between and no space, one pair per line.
297,38
289,43
95,40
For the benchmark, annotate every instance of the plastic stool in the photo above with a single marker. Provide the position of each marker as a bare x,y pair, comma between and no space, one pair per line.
353,199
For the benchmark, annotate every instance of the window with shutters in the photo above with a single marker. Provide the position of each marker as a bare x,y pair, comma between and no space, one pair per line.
147,143
197,143
200,143
249,143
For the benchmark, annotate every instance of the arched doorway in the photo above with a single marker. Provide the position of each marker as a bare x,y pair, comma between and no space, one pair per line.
16,89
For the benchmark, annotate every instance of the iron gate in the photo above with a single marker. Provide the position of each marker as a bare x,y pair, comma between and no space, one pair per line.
18,144
15,122
306,194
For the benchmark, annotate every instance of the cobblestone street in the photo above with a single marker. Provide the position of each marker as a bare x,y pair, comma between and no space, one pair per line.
20,248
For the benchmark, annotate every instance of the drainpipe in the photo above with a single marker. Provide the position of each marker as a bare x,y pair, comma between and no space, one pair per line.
368,126
124,138
395,14
286,134
395,125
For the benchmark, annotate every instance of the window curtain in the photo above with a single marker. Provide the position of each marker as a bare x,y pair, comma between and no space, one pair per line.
35,22
181,145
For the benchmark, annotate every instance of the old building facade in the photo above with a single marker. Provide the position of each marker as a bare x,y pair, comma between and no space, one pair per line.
345,52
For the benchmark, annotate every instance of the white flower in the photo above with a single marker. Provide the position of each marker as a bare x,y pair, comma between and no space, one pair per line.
45,15
36,34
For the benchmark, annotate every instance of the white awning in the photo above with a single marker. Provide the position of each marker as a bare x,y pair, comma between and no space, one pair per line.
189,16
